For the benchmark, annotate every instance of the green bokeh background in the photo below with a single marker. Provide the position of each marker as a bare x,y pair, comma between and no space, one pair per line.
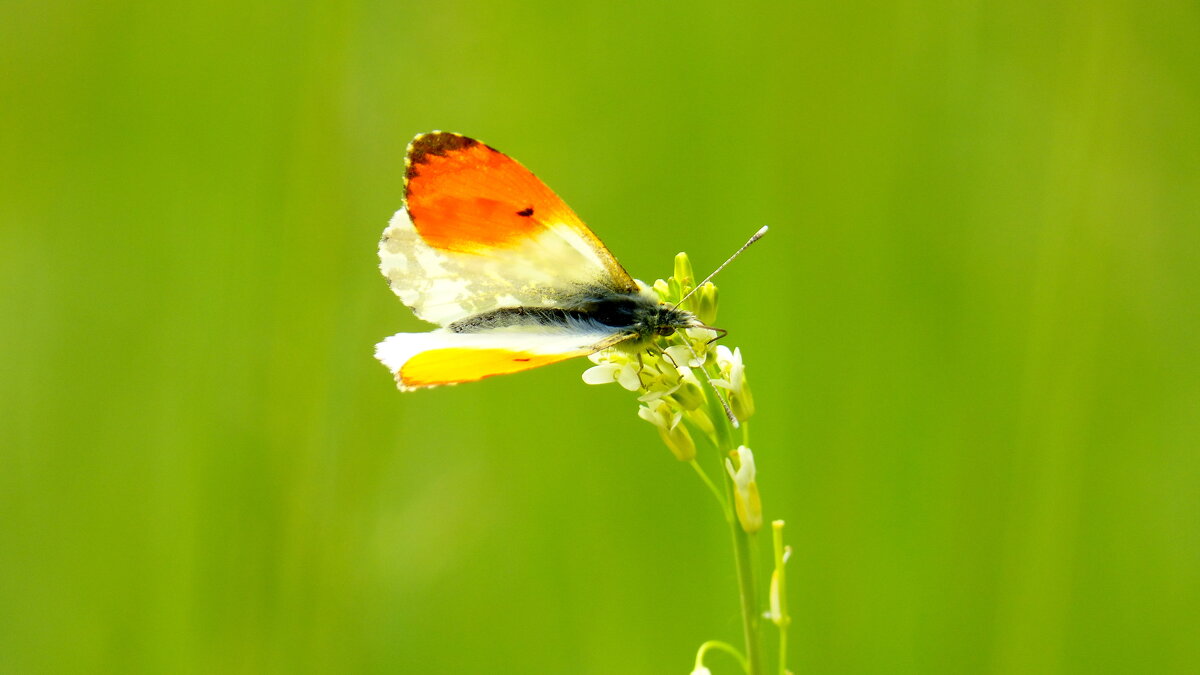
972,334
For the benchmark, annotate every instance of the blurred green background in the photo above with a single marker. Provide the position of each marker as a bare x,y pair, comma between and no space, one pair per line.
972,335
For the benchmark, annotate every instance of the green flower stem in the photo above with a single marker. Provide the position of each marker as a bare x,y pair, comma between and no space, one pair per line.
780,593
748,588
742,550
742,541
708,481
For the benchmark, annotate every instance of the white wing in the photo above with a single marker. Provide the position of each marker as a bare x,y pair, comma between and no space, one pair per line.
444,286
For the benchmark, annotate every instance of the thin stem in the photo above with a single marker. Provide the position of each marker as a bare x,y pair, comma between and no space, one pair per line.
779,609
783,632
742,554
708,481
723,646
747,586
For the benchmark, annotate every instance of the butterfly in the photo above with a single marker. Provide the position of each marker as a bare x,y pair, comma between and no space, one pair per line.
512,276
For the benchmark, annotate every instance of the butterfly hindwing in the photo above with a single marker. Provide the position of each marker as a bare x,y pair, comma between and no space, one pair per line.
439,357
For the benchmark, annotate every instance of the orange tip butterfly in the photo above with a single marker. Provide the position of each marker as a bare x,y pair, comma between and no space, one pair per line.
512,276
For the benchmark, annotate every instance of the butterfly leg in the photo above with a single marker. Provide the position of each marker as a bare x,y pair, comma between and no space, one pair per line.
670,360
641,367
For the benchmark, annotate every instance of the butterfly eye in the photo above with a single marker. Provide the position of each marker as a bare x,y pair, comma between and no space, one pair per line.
665,330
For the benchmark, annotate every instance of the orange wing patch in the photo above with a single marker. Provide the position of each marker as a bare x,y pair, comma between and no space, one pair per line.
466,197
457,364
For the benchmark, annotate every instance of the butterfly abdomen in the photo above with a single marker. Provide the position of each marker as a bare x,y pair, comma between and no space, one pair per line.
636,315
515,317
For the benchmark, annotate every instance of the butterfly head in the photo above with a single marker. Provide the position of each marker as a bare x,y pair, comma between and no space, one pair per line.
664,320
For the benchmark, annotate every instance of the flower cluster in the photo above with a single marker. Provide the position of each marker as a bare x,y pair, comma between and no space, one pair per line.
688,386
669,375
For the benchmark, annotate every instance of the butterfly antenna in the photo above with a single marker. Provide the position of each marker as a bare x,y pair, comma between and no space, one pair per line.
720,397
757,235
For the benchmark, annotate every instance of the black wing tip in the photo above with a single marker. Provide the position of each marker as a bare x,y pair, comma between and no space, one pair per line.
440,143
437,143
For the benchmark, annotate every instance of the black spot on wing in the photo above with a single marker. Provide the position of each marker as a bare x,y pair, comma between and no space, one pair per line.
526,212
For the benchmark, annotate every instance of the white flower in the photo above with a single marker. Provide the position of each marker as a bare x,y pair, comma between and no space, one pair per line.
733,380
613,367
682,356
731,366
743,477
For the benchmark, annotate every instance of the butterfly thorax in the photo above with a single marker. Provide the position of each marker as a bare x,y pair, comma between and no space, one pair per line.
640,314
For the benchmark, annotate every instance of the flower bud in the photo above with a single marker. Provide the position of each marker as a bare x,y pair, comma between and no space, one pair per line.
679,441
745,489
741,403
683,271
704,303
663,289
775,613
670,428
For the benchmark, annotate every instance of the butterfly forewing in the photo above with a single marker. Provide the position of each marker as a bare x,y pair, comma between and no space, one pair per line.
480,232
